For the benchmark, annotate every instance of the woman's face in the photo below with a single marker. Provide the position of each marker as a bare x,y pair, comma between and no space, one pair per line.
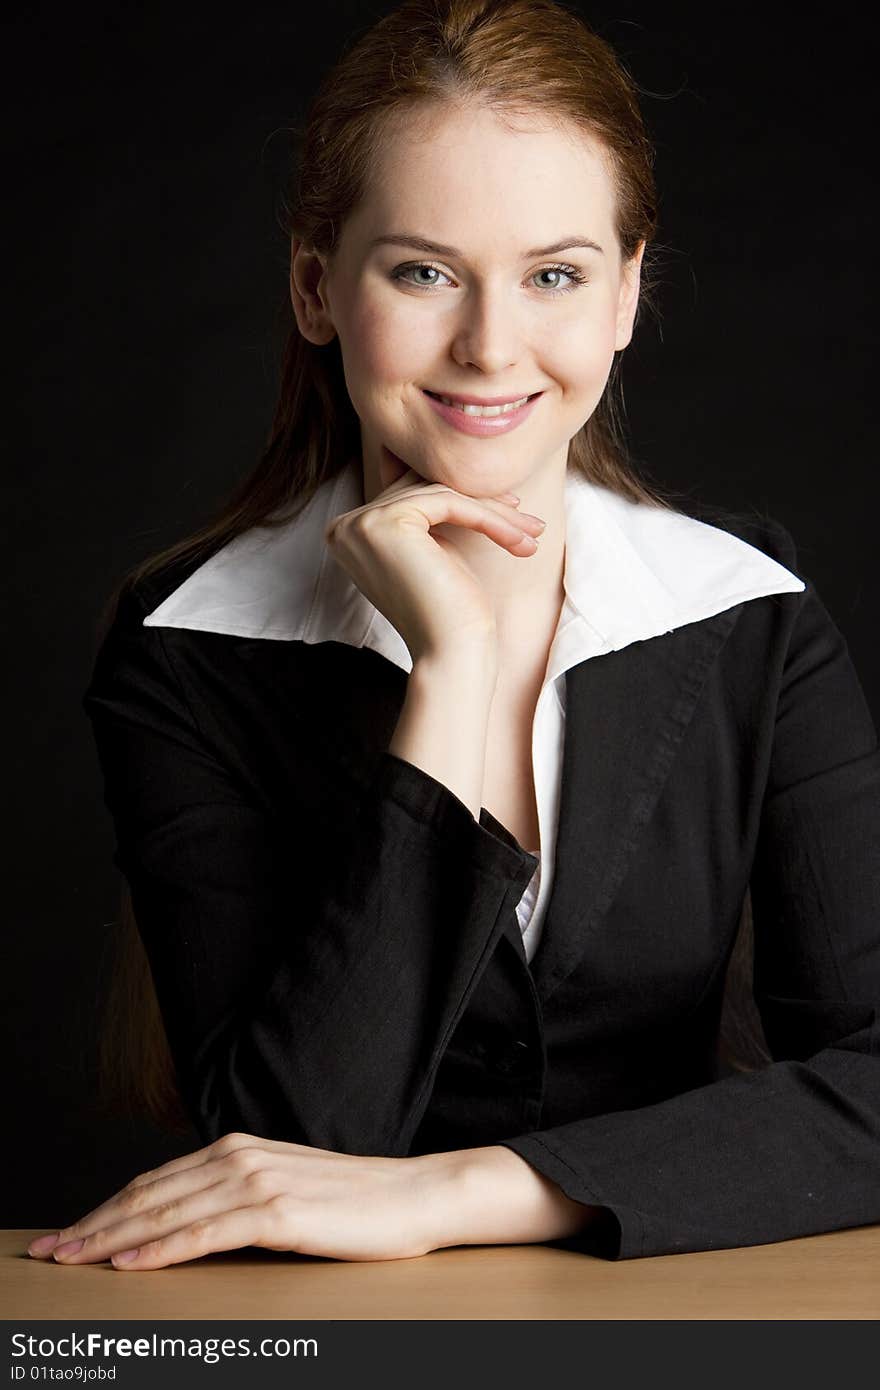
488,315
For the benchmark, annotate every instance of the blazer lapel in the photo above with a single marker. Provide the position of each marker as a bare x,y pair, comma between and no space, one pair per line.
626,713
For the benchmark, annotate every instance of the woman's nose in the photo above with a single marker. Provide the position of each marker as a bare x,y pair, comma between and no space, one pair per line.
488,334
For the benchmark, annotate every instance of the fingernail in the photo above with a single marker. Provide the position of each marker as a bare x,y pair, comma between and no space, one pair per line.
510,497
124,1257
70,1247
44,1244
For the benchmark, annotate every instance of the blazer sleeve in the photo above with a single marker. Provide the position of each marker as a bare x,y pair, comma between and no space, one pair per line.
792,1149
308,1008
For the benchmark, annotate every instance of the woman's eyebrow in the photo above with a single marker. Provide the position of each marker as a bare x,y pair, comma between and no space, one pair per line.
434,248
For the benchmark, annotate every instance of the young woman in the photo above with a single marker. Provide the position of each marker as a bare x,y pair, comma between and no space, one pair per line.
443,762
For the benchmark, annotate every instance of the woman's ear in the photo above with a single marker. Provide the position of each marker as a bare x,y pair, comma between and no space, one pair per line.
628,299
307,272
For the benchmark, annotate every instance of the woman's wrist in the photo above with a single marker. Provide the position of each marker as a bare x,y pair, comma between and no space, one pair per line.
444,720
492,1196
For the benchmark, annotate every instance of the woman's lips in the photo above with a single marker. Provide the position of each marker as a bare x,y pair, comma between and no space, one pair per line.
483,425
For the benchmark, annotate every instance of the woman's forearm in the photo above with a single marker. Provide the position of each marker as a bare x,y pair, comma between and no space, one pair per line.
491,1196
482,1196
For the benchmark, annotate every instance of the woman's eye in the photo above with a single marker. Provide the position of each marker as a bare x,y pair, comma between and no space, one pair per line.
569,271
403,270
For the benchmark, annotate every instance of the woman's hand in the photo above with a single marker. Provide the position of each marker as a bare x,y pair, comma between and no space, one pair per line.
419,581
243,1190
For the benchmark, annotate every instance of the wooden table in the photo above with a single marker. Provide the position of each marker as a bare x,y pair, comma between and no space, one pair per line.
833,1276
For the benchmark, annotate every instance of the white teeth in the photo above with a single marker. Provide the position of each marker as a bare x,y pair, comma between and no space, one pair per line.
484,409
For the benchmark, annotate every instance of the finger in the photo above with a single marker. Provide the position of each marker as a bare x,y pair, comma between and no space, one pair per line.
140,1191
407,482
412,480
522,520
136,1203
185,1174
171,1214
405,477
176,1183
391,494
517,531
228,1230
516,535
220,1148
121,1203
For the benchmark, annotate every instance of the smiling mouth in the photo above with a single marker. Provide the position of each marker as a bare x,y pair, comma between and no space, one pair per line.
478,410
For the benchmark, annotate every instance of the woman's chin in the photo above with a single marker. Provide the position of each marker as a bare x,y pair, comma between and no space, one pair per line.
392,467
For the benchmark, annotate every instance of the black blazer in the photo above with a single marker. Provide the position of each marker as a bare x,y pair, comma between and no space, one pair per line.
334,945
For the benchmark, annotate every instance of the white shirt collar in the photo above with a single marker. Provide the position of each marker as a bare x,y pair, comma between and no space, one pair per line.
631,572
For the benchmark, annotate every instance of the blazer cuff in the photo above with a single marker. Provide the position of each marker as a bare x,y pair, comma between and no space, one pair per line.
614,1233
430,802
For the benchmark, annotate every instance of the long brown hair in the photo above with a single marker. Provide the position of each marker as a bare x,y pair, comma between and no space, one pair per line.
524,56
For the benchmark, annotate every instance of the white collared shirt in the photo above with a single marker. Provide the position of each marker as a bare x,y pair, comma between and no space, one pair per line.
631,571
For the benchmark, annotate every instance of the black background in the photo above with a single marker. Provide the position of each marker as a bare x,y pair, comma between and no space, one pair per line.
144,156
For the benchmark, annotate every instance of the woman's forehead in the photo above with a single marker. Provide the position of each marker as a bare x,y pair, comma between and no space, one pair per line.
467,172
